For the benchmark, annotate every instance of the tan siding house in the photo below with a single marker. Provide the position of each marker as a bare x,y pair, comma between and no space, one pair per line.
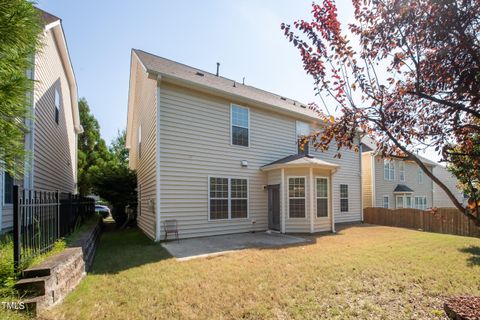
52,136
220,157
395,183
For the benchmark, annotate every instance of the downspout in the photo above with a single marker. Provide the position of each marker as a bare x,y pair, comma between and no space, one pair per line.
332,192
157,167
361,180
311,193
282,198
374,191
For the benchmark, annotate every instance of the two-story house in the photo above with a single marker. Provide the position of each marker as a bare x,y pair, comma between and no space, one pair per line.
440,198
51,138
395,183
222,157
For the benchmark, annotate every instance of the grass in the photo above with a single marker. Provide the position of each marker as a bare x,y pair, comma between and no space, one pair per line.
365,272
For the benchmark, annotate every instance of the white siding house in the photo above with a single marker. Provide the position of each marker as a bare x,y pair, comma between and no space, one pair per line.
440,198
51,139
221,157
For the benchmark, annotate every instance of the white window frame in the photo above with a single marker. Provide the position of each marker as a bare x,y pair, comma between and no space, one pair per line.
340,196
411,202
402,197
401,171
139,143
423,205
391,169
232,105
304,197
229,198
420,176
388,202
317,197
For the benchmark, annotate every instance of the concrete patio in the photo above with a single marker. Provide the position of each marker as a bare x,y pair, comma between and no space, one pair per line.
218,245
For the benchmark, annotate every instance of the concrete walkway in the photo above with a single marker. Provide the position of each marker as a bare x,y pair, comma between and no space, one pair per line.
218,245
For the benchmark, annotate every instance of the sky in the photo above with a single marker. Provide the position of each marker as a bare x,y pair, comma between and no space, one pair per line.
243,35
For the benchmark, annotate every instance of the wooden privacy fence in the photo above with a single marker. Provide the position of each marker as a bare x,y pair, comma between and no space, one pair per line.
444,220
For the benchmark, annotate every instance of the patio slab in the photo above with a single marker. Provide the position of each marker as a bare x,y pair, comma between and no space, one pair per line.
218,245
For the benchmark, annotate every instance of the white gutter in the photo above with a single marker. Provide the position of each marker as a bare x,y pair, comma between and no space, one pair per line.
332,192
157,167
311,193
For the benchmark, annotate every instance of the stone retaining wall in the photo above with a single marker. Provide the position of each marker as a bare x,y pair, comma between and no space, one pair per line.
47,284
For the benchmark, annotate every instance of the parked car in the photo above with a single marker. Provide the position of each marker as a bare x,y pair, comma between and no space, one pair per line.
102,210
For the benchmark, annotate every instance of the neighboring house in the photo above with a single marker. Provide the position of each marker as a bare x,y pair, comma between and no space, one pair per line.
51,138
395,183
222,157
440,198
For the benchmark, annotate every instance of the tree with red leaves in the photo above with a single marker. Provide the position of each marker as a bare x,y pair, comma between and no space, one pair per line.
412,81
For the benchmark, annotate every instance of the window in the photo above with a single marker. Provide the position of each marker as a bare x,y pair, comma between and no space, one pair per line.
140,141
57,106
322,197
400,202
344,198
408,202
386,201
302,130
421,203
296,197
7,188
401,170
240,125
228,198
239,198
420,176
388,170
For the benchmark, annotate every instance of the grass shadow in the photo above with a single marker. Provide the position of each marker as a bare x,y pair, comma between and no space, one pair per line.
474,251
121,250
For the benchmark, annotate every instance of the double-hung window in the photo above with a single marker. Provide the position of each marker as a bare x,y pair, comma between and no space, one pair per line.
421,203
228,198
322,197
401,170
240,122
303,130
400,201
420,176
344,198
296,197
386,201
7,188
57,106
388,170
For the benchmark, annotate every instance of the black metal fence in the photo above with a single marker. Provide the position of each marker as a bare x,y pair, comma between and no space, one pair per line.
41,217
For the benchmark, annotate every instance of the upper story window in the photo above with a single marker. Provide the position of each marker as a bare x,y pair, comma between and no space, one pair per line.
302,130
401,170
388,170
139,141
57,105
420,176
7,188
240,122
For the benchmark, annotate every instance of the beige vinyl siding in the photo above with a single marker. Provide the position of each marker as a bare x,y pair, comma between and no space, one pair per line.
385,187
195,144
348,173
54,165
440,198
145,115
367,179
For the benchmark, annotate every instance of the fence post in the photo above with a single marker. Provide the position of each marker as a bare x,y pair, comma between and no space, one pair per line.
16,230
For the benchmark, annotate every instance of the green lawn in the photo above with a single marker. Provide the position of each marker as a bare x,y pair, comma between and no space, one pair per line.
364,272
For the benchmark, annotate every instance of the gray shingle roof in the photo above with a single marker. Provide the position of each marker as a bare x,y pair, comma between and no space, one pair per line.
402,188
168,68
47,17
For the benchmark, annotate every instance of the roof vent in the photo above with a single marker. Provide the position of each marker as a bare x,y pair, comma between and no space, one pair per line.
199,74
234,84
284,99
218,69
303,106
